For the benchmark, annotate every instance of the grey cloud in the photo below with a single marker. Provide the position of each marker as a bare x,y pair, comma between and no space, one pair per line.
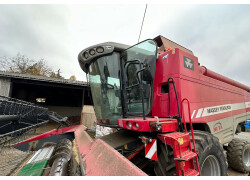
218,35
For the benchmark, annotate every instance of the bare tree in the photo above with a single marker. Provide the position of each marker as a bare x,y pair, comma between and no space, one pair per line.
22,64
19,63
56,75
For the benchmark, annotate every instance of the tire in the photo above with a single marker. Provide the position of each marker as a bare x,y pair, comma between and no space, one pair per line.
209,150
165,166
238,155
212,161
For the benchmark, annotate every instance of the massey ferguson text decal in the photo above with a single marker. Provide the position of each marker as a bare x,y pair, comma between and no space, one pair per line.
218,109
188,63
213,110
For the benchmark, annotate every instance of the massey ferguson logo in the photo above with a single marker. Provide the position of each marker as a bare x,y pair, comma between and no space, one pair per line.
217,127
188,63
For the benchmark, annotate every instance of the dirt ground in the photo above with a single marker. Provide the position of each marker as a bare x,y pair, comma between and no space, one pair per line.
235,173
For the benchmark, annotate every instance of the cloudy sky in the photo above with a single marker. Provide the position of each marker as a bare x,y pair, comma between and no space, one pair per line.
217,34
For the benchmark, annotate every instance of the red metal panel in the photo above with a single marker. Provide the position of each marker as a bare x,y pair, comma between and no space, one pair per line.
103,160
219,77
202,91
99,159
53,133
148,125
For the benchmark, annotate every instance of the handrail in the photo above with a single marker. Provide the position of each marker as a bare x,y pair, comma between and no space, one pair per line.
140,82
191,128
178,105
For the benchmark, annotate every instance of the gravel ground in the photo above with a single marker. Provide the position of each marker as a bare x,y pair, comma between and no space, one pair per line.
235,173
244,135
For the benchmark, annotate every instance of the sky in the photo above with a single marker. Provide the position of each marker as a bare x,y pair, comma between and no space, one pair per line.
217,34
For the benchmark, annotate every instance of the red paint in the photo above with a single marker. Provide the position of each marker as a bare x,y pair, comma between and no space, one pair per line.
217,128
219,77
201,90
52,133
148,125
149,147
99,159
183,155
103,160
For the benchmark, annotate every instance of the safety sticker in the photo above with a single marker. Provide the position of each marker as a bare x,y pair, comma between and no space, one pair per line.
151,150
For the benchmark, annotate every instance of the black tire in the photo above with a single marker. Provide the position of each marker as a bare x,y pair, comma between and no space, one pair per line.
165,166
236,150
210,149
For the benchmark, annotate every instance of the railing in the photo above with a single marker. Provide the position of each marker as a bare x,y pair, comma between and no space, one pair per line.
180,129
191,129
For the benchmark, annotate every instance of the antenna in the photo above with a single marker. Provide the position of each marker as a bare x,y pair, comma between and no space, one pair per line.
142,21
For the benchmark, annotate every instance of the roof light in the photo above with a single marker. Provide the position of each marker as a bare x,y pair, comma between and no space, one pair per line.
99,49
92,52
86,55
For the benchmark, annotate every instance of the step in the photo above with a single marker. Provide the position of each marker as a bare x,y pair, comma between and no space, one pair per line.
191,172
176,135
186,156
182,138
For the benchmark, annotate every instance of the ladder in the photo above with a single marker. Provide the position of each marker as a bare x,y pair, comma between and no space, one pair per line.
185,159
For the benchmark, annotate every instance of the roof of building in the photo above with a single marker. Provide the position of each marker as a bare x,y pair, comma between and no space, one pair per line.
42,78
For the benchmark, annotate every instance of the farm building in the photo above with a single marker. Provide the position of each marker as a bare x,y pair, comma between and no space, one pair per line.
66,97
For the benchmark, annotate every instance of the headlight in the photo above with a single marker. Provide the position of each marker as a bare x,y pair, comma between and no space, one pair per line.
129,125
136,125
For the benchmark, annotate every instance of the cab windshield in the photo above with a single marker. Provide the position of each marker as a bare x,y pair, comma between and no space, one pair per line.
105,88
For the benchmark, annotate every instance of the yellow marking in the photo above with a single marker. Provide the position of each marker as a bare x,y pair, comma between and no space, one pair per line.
126,146
173,51
180,141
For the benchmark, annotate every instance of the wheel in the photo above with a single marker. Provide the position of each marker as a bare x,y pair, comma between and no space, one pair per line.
238,155
212,161
165,166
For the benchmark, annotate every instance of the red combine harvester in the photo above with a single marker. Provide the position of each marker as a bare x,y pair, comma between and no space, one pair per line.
173,116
